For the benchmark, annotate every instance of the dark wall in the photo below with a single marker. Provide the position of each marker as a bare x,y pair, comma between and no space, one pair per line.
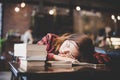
45,23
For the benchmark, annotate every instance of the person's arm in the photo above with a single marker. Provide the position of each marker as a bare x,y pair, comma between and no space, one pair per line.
30,39
52,56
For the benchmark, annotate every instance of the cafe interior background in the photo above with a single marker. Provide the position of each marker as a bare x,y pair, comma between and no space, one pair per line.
57,16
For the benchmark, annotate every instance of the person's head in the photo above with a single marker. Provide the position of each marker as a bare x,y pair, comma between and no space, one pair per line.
30,29
78,46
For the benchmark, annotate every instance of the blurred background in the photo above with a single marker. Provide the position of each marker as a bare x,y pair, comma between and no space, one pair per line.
100,19
59,16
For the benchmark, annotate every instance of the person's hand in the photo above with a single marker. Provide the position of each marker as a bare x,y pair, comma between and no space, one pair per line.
50,56
75,62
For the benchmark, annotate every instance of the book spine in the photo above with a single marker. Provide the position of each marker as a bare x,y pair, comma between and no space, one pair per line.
32,63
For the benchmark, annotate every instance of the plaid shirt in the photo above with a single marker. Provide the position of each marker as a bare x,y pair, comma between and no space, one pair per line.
102,58
47,40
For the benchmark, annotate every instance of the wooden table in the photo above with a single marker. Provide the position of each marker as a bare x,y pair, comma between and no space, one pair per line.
62,73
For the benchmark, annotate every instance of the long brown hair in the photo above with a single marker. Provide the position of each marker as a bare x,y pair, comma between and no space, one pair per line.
85,45
59,40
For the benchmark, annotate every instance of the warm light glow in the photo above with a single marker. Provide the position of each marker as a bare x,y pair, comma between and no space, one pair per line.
22,4
51,12
118,17
17,9
113,41
112,17
78,8
67,10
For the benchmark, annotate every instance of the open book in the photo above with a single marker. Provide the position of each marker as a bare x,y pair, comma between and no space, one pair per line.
71,64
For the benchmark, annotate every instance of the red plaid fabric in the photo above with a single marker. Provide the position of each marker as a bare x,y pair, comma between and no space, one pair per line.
102,58
47,40
50,56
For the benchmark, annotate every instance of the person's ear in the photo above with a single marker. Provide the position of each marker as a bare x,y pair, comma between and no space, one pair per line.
67,43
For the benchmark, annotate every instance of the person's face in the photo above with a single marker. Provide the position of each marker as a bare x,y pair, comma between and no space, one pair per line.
69,49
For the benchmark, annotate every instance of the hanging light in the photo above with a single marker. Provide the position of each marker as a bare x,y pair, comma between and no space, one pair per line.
51,12
22,4
78,8
118,17
112,17
17,9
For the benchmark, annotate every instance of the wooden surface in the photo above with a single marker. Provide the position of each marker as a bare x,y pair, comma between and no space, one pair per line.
70,73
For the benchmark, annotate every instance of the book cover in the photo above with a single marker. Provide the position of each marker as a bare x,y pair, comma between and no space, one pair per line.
34,58
30,51
32,63
59,63
24,46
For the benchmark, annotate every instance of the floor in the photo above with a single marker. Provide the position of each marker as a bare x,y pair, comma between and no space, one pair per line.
5,75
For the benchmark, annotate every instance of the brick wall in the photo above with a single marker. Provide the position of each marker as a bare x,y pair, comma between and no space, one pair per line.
16,21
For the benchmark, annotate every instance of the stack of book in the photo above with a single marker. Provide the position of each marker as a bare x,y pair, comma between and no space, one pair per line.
30,55
30,51
64,64
28,65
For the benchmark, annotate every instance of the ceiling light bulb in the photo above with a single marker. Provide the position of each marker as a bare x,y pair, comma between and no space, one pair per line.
17,9
22,4
78,8
51,12
112,17
118,17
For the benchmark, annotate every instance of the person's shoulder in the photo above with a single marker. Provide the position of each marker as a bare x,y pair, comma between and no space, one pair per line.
52,35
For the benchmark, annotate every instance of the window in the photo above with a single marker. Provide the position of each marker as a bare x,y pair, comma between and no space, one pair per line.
0,20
